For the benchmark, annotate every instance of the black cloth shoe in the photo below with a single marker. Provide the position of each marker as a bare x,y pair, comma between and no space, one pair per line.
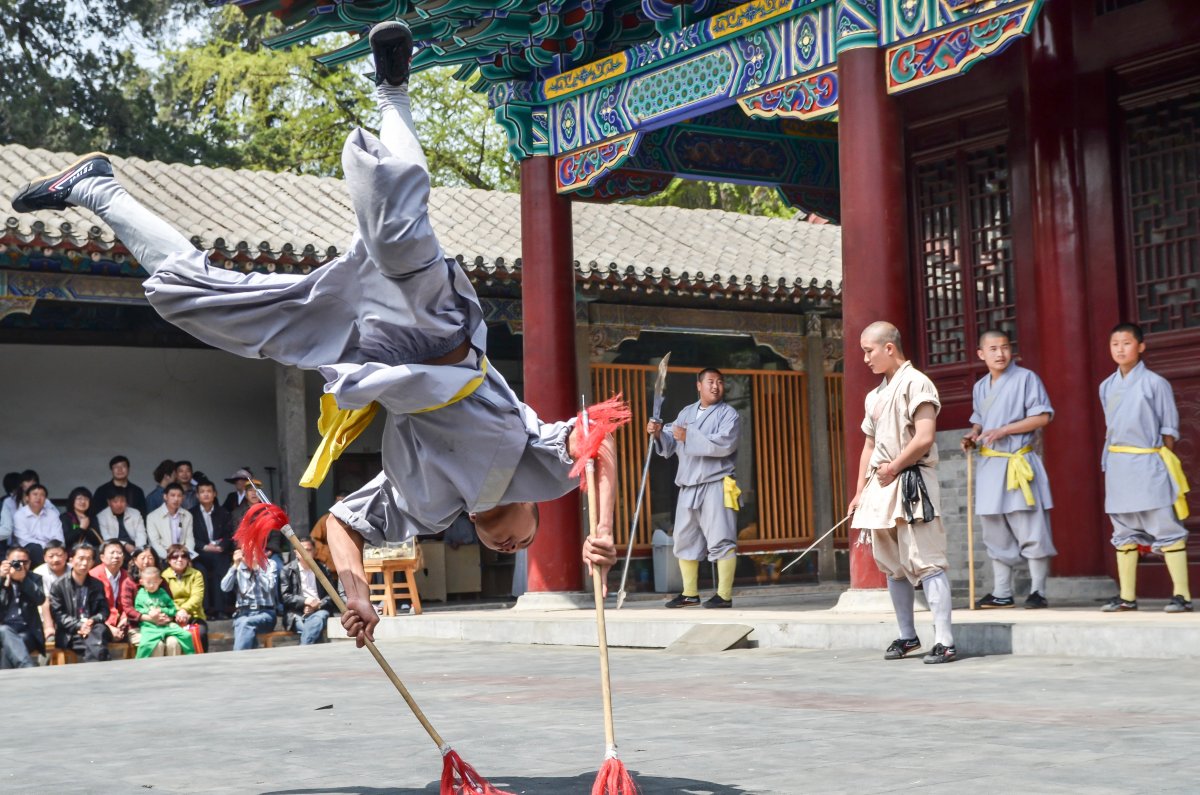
941,654
1119,605
901,647
718,601
50,192
1177,605
990,602
684,601
392,46
1036,601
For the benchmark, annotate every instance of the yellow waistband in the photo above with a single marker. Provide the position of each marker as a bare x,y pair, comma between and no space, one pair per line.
340,427
1174,469
1019,474
732,493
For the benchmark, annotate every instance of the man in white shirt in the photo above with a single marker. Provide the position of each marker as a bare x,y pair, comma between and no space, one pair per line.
169,524
119,522
53,569
36,523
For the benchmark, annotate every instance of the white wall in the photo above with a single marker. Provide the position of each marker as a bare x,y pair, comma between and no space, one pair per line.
65,411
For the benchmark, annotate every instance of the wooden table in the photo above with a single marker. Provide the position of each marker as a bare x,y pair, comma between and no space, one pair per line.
391,590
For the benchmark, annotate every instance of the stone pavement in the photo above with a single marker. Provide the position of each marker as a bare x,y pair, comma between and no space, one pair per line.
762,721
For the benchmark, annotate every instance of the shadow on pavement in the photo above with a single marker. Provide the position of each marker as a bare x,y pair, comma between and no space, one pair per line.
579,785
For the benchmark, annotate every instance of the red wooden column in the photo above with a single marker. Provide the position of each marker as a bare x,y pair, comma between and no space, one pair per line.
875,281
1066,337
551,384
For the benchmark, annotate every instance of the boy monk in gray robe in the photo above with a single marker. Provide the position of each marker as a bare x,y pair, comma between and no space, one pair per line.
897,496
1012,492
393,322
1145,490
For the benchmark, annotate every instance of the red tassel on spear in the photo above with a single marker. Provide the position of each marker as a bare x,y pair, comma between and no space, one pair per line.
613,778
458,778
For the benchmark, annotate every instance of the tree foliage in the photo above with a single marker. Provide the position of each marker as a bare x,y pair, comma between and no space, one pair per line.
748,199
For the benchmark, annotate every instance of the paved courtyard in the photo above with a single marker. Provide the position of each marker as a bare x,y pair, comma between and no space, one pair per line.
763,721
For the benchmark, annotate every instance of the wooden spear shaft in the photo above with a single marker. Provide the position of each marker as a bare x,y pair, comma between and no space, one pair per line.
610,735
387,668
970,527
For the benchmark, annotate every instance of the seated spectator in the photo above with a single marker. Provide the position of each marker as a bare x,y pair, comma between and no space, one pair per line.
79,608
254,592
317,534
213,528
164,474
8,507
122,522
111,572
78,526
21,596
186,584
306,605
183,476
170,523
240,480
53,569
146,556
134,496
141,560
159,633
36,523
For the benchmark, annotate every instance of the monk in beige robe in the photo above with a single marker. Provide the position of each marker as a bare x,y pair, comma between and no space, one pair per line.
897,497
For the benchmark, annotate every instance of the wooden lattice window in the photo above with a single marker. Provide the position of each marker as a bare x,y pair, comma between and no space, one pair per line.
963,204
1162,211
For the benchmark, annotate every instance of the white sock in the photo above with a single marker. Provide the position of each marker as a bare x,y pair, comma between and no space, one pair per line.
397,130
937,593
1039,570
149,238
902,594
1002,575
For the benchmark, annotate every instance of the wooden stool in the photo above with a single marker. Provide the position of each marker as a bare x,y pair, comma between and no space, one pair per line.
390,590
268,638
57,656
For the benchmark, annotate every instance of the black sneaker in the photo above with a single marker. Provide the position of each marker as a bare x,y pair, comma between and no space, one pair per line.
990,602
392,46
1177,605
50,192
684,601
1036,601
941,654
718,601
1119,605
901,648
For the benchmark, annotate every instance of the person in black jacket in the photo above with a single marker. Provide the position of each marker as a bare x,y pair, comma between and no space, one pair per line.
20,624
213,528
79,608
306,605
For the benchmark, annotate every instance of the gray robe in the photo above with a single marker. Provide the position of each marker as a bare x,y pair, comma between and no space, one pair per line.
1017,394
1139,410
365,321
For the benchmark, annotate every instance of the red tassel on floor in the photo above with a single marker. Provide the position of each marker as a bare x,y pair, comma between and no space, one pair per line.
459,778
258,523
613,779
603,419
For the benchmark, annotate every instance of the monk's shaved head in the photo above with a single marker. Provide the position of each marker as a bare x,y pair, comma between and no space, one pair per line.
883,332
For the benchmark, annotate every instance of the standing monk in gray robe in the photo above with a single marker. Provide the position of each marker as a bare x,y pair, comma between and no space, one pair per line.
897,496
1012,493
392,322
705,438
1145,490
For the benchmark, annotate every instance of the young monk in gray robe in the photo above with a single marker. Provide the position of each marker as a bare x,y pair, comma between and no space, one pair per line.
704,437
1012,493
1145,490
897,497
392,322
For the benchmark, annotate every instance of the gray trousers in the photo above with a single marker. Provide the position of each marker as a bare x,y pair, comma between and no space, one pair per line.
1009,537
1156,529
704,527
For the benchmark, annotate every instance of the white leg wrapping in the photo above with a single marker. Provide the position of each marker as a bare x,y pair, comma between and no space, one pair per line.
902,594
937,592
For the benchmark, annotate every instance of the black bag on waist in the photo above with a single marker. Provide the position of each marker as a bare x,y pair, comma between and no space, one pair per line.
913,491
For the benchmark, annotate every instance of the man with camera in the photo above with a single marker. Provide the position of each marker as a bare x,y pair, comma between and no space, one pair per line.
20,624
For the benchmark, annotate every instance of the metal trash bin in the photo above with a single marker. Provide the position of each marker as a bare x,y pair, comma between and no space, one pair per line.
667,577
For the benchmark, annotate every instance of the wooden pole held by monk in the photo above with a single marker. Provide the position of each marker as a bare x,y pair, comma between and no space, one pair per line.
971,526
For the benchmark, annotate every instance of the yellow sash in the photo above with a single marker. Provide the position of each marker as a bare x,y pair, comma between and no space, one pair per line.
732,493
1019,472
1174,469
339,427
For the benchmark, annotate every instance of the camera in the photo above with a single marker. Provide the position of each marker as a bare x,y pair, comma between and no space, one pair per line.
17,564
